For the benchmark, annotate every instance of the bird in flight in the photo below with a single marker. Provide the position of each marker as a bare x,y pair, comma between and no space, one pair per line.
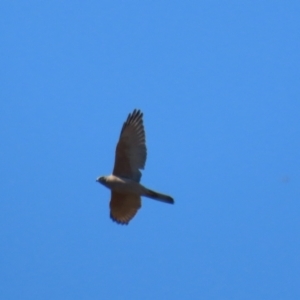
124,182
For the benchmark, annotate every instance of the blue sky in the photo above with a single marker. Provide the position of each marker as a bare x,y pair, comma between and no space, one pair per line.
218,83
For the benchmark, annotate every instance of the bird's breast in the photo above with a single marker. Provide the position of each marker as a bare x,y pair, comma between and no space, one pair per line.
124,185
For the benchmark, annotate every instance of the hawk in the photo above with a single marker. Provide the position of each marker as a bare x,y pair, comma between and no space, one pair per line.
124,182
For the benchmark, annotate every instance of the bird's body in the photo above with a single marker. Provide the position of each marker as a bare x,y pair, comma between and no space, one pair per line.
122,185
126,191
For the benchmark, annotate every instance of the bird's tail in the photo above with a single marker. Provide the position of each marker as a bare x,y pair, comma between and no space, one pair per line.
158,196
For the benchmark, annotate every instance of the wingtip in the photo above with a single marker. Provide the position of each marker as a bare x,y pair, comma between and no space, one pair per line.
118,221
135,115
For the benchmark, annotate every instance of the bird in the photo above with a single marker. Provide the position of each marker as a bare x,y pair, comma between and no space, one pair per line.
124,182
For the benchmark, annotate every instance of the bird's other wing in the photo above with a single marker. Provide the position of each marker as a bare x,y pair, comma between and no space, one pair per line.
123,207
131,151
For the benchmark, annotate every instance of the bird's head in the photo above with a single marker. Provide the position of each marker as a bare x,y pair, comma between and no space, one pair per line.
102,180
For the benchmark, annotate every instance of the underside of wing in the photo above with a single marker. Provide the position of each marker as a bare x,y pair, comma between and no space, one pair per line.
131,151
123,207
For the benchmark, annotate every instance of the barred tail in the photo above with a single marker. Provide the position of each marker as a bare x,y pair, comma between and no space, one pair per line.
159,197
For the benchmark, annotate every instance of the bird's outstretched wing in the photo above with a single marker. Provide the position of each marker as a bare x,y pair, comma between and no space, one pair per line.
123,207
131,151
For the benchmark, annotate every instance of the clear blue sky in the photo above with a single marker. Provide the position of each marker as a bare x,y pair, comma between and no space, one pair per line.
219,85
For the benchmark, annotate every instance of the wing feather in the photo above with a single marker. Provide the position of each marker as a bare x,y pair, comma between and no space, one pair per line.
123,207
131,151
